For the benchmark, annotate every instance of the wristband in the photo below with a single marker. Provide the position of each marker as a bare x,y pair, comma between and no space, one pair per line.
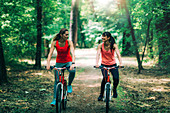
73,62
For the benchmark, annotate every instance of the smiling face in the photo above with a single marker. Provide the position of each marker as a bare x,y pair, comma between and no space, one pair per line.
105,38
65,36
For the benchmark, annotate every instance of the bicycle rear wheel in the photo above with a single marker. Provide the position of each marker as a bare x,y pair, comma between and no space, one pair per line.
64,101
107,97
58,99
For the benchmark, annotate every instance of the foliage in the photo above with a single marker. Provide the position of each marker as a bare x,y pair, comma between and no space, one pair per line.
18,29
18,25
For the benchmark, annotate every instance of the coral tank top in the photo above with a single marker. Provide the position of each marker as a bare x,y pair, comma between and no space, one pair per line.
108,57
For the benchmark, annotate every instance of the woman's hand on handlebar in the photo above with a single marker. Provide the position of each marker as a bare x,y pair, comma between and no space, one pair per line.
72,67
48,67
97,66
121,66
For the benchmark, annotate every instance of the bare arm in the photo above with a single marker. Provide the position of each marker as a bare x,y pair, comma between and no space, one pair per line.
72,54
98,54
50,54
118,54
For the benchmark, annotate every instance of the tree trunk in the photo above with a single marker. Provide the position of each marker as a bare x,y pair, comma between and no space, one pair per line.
74,26
71,20
147,37
39,34
133,37
151,44
3,74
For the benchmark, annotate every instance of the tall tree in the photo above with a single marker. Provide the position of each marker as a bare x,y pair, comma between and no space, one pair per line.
39,34
3,74
162,27
133,37
74,21
151,44
147,39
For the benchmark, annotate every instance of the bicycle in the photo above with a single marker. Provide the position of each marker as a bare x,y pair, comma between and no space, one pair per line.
61,89
108,89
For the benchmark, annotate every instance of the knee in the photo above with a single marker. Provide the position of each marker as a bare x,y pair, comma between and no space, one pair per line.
72,71
116,80
56,81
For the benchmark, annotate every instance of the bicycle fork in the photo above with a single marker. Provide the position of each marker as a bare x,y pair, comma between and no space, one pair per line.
107,85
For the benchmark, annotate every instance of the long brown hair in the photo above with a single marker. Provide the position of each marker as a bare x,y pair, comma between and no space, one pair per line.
112,40
58,35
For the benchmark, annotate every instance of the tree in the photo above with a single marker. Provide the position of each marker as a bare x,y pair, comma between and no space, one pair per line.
3,74
74,21
140,21
133,37
39,34
147,39
162,27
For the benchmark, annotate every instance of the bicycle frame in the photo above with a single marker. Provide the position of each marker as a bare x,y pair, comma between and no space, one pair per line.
61,81
108,82
108,78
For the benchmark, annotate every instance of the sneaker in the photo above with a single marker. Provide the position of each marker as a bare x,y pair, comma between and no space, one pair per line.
69,89
100,97
114,94
53,102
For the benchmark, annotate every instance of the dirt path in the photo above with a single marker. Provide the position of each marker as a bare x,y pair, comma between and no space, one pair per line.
86,85
31,90
137,92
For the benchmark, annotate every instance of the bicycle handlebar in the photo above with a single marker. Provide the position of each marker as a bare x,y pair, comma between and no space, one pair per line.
108,68
57,68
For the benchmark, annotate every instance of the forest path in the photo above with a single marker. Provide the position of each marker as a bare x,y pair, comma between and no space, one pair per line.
135,90
31,90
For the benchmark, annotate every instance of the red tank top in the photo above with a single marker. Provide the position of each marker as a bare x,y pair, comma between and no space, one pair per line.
108,57
63,53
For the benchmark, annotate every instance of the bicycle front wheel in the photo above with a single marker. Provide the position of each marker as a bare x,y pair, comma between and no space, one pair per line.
58,99
107,97
64,101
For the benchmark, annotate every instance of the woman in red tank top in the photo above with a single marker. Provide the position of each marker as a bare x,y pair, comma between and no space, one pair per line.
64,59
107,49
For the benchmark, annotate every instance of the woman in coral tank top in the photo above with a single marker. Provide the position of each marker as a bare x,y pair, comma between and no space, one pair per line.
107,49
64,59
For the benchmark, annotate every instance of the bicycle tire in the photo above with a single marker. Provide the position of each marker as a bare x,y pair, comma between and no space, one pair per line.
107,97
58,98
64,101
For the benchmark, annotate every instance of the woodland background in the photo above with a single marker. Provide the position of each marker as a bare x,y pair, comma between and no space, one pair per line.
141,30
